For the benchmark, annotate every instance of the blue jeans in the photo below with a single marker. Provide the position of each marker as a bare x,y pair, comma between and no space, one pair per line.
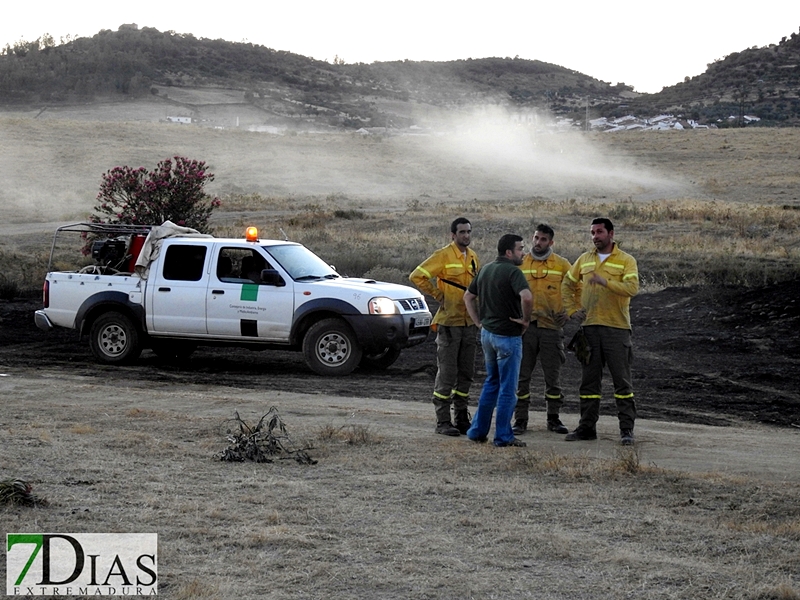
502,354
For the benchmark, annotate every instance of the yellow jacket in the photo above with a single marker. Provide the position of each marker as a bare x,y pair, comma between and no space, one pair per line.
447,263
604,305
544,279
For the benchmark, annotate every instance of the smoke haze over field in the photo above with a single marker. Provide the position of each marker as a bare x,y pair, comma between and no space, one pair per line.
51,167
544,161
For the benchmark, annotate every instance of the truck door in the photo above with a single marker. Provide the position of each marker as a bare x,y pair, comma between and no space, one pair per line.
240,305
178,292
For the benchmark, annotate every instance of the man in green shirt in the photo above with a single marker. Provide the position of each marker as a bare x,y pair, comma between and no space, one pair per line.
503,316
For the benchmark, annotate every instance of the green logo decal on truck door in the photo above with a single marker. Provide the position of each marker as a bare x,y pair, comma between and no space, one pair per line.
249,292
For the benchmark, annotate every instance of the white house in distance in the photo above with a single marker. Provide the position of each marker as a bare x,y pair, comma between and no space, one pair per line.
184,120
660,122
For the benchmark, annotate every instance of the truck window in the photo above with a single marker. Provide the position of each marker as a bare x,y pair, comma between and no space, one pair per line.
240,265
224,268
184,263
299,261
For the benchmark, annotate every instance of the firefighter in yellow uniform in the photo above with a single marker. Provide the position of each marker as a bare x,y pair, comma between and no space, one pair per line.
599,288
453,268
544,339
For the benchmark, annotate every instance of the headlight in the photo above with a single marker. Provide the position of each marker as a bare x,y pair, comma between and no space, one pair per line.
382,306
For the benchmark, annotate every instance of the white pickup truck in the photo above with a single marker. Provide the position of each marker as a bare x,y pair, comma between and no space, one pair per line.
174,290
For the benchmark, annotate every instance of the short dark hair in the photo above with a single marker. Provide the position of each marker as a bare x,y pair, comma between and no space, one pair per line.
604,222
546,229
508,242
459,221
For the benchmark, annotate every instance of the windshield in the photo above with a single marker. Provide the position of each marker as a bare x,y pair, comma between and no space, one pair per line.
300,262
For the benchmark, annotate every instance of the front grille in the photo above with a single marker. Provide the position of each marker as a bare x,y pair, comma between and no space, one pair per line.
413,304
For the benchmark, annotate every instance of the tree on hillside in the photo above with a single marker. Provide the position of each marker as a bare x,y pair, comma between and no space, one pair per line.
172,191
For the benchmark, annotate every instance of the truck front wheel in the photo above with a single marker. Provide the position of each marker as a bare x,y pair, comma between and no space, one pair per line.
330,348
114,339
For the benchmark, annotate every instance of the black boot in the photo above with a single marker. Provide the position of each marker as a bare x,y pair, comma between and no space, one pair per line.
463,420
443,423
446,428
554,424
521,414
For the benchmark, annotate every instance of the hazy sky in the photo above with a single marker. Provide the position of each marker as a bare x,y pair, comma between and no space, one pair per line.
644,44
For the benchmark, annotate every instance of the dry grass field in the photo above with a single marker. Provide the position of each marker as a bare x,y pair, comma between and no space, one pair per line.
703,196
390,510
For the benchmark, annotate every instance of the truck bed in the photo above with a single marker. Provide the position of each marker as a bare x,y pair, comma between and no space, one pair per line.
68,291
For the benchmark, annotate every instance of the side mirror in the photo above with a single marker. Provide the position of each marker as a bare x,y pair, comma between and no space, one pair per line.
272,277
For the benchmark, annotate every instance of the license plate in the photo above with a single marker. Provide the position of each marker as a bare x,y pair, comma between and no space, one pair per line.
422,321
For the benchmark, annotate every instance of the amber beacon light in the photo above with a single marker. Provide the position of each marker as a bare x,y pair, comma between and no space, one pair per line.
251,234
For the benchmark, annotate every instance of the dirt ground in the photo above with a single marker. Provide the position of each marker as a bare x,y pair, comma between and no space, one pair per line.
703,356
391,510
711,512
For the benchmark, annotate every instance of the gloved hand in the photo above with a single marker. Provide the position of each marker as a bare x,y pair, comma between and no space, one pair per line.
579,315
580,346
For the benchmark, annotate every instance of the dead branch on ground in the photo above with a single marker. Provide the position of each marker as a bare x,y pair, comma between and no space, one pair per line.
17,491
265,442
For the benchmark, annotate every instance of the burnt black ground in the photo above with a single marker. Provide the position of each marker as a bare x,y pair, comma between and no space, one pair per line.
717,356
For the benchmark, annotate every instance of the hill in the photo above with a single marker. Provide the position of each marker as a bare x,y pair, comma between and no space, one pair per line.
289,89
760,82
140,62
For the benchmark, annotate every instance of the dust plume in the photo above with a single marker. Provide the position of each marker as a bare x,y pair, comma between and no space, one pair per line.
51,165
532,155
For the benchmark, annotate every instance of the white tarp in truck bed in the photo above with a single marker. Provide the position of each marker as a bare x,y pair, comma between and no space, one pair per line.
152,244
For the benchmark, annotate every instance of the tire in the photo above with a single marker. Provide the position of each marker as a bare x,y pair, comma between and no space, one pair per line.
173,350
379,361
330,348
114,339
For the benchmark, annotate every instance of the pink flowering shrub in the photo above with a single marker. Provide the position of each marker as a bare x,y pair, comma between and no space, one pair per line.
172,191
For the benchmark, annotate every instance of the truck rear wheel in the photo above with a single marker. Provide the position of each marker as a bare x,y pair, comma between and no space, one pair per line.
114,339
330,348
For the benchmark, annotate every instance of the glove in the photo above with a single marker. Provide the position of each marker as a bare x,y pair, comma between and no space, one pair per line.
580,346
